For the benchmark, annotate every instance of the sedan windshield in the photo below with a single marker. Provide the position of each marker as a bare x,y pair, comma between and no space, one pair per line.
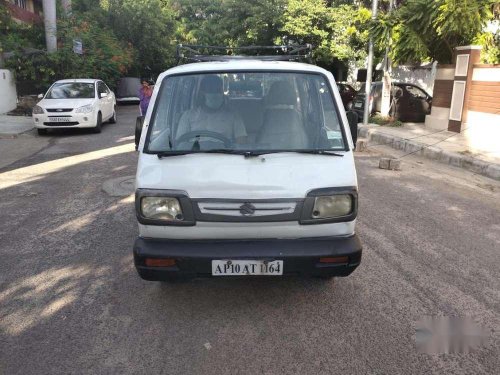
245,112
71,90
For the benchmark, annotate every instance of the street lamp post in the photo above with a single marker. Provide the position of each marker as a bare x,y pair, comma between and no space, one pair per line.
369,70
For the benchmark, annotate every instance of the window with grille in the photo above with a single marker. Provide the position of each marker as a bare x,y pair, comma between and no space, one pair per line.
21,3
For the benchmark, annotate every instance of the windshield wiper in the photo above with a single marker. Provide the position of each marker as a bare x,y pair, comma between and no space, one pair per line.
248,154
163,154
314,152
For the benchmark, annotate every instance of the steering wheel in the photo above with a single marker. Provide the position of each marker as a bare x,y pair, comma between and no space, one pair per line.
204,133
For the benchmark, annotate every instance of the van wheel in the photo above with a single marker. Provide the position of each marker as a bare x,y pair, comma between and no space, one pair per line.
42,131
112,120
98,127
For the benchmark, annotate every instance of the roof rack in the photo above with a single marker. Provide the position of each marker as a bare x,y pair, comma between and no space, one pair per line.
200,53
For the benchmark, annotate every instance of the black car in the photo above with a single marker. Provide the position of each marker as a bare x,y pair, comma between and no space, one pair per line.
347,93
409,102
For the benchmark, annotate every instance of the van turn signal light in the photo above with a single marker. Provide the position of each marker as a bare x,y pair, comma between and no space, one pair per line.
334,260
160,262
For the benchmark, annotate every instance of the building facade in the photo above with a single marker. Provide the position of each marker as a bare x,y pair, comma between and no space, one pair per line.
25,11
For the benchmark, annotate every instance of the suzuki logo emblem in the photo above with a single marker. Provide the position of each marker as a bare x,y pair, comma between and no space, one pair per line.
247,209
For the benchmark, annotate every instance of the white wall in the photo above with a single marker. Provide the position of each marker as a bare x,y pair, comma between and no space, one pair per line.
8,94
482,131
422,76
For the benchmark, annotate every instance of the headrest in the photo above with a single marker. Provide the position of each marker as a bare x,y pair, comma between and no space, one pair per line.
211,84
281,93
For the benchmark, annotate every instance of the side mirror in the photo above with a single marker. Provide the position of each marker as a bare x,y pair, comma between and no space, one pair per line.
40,96
103,94
139,122
352,119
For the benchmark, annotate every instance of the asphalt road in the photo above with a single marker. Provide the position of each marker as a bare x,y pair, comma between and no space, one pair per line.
71,301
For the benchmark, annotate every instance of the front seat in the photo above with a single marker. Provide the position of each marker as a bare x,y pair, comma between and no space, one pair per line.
282,127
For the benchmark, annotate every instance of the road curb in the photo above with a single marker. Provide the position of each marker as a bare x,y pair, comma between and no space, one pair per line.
469,163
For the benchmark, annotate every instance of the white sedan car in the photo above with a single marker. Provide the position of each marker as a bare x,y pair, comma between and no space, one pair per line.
75,103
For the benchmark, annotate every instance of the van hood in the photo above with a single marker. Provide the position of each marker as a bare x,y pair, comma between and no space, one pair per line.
64,103
280,175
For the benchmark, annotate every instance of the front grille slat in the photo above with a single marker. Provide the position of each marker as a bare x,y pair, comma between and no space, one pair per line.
247,210
59,110
70,123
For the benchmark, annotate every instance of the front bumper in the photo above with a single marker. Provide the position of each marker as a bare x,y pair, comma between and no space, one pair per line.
300,256
75,120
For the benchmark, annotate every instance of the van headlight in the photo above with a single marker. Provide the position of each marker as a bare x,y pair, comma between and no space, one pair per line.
161,208
332,206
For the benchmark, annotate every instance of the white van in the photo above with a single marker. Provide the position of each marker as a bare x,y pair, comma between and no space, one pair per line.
246,168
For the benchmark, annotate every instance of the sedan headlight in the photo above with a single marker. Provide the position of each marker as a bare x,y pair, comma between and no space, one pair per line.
161,208
85,109
37,110
332,206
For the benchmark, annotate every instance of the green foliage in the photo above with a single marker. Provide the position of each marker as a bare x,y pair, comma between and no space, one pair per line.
148,26
491,47
420,30
229,22
14,35
336,32
385,120
104,57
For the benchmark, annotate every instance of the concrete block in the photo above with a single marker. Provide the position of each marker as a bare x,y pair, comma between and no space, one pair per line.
474,165
363,132
384,163
432,152
493,171
395,164
451,159
376,138
413,147
387,140
361,145
399,144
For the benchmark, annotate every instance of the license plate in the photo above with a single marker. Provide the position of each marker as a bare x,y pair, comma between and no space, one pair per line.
358,105
60,119
246,267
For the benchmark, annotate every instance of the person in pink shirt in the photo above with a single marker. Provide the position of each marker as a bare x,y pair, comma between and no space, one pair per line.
145,93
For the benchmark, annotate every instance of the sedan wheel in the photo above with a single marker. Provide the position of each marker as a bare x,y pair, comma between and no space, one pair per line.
98,127
112,120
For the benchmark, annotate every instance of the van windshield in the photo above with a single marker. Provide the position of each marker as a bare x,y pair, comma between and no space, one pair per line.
245,111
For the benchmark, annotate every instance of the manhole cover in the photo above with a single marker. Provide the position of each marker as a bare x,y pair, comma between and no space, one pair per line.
120,187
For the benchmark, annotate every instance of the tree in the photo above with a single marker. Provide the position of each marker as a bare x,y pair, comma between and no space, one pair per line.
148,26
104,56
422,30
337,32
230,22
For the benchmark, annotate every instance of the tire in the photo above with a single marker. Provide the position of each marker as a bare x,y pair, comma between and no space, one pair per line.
42,131
112,120
98,127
